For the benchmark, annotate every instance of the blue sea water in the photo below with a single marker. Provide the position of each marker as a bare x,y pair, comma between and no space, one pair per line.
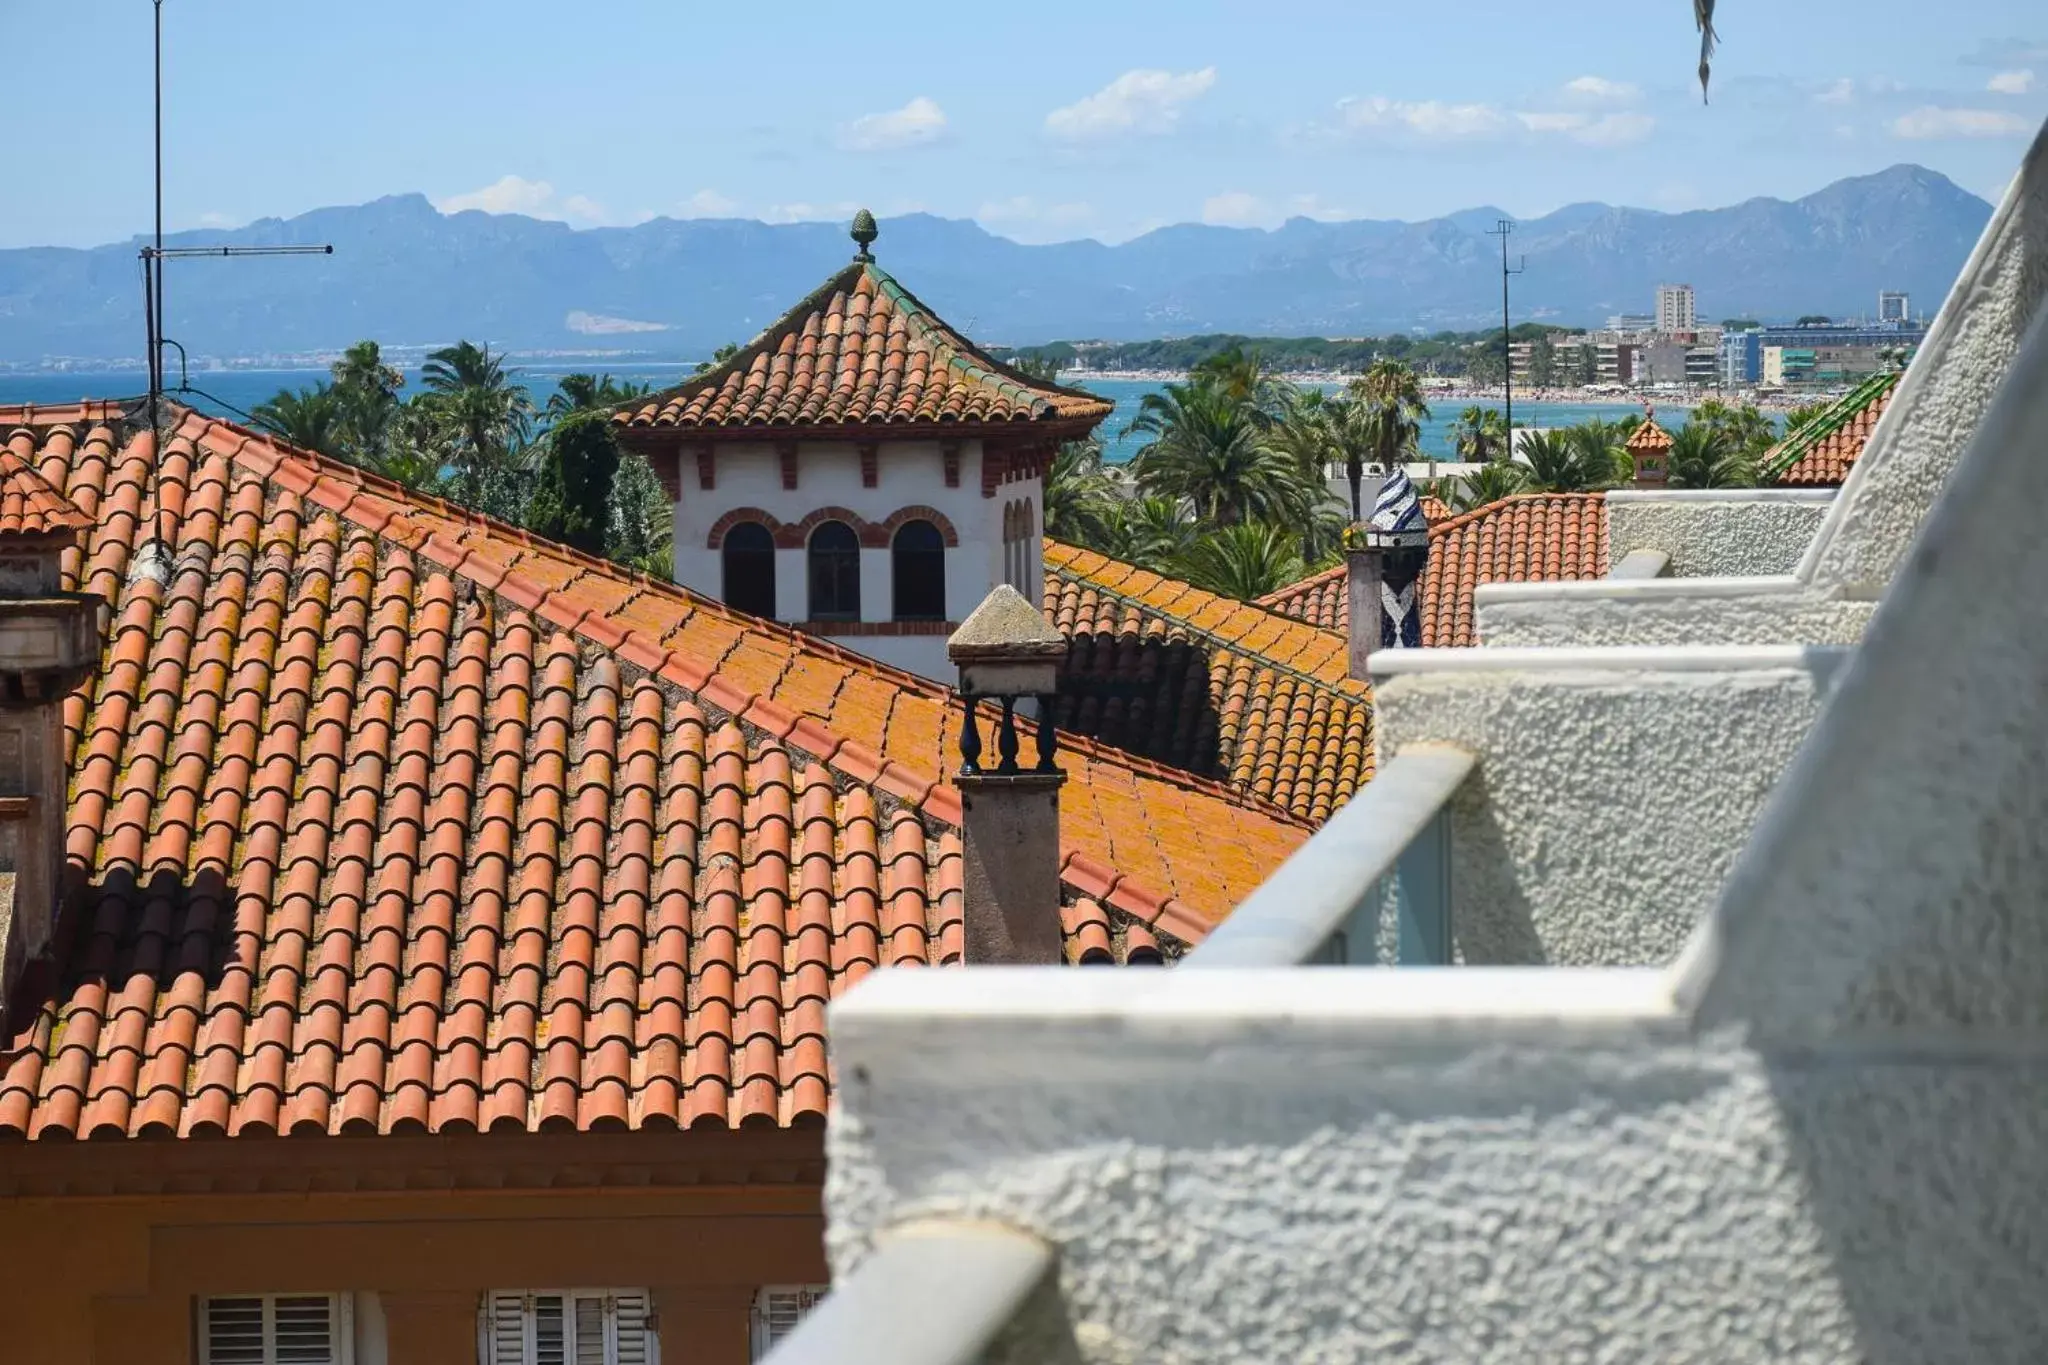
232,393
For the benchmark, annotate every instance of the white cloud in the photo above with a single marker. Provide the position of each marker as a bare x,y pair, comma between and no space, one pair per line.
534,198
915,124
1028,219
2011,82
1616,130
1928,121
1841,91
1141,101
1235,208
1602,90
708,204
1554,123
804,212
604,325
1424,118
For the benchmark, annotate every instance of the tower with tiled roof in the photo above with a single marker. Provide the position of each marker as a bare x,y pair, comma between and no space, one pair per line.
1649,448
860,469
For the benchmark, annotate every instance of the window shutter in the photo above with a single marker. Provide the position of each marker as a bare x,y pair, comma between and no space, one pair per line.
550,1331
568,1327
505,1329
778,1308
630,1312
276,1329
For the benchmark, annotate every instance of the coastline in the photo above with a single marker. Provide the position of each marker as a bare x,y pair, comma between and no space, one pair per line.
1491,397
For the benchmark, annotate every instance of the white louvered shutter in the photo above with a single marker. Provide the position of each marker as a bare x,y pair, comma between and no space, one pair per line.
276,1329
568,1327
778,1308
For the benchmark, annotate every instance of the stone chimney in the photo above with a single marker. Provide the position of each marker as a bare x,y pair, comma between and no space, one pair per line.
49,642
1649,446
1010,807
1386,558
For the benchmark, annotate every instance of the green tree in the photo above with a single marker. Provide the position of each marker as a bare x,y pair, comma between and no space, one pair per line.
641,533
590,393
1210,451
1479,434
310,418
1080,497
1740,324
1152,532
1813,320
1245,378
1542,362
1804,413
486,417
1500,479
1586,363
1392,411
1558,464
1745,428
718,357
367,390
1704,456
1244,561
572,495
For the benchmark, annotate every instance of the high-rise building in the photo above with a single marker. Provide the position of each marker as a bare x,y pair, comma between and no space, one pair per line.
1894,305
1674,308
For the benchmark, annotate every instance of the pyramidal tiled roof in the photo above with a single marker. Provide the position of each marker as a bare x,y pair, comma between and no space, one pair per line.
29,506
1216,686
1528,538
862,351
386,817
1821,453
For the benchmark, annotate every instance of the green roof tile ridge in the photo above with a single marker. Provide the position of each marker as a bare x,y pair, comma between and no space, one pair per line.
1793,448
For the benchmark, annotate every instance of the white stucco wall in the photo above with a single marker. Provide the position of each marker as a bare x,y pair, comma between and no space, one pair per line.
1732,532
1614,787
1475,1166
908,474
1598,614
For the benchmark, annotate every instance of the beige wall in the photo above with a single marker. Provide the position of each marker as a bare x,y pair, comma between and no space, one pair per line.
111,1279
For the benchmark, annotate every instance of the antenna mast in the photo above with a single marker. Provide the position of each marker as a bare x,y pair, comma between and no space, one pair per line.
1502,229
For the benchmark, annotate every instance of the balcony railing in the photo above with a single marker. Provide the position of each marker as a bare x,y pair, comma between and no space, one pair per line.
1373,887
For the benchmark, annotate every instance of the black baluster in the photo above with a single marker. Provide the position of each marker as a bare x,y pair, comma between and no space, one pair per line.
970,739
1046,739
1006,738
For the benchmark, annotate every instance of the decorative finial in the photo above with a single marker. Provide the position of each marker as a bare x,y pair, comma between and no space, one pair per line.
864,232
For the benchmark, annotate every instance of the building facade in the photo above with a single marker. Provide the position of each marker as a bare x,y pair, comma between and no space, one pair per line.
1675,308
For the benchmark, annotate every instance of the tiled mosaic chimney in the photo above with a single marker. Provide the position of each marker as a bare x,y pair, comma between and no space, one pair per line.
1009,801
1386,558
49,641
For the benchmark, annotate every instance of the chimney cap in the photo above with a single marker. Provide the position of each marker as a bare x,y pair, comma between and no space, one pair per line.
1005,628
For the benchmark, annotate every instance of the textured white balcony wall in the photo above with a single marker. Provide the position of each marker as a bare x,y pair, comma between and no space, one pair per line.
1445,1166
1613,790
1733,532
1871,523
1669,611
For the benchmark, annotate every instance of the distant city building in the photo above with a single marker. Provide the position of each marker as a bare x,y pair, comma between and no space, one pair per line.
1742,358
1894,305
1834,354
1632,322
1675,308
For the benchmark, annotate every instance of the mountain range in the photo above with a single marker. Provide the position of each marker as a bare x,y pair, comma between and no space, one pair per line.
407,274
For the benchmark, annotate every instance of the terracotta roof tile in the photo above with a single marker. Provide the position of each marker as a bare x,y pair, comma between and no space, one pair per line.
1531,537
861,351
29,506
1215,686
371,832
1821,454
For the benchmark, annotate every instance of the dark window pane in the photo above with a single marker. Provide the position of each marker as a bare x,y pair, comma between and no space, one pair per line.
750,569
835,573
917,568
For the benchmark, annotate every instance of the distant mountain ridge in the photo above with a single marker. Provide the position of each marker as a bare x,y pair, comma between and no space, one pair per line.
409,275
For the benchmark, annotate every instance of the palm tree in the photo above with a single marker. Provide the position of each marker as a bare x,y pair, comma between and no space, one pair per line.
1244,377
1080,497
1211,451
1390,398
1558,464
484,413
310,418
643,519
367,389
1152,532
1599,448
1703,456
1479,435
589,393
1802,414
1244,561
1497,480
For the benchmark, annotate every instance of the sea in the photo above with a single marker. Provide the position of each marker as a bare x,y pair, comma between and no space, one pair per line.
232,393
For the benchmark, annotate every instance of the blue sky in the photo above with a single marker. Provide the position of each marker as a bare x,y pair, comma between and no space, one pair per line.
1044,121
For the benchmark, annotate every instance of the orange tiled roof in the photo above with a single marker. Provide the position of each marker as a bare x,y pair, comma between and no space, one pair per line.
1528,538
1215,686
1822,458
862,350
388,817
28,505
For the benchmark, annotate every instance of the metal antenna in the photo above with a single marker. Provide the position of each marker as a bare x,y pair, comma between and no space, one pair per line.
1502,229
154,256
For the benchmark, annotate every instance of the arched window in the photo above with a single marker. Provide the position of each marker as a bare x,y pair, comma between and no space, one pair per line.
917,569
835,572
749,556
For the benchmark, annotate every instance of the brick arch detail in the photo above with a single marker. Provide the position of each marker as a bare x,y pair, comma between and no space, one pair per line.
719,528
796,535
918,512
